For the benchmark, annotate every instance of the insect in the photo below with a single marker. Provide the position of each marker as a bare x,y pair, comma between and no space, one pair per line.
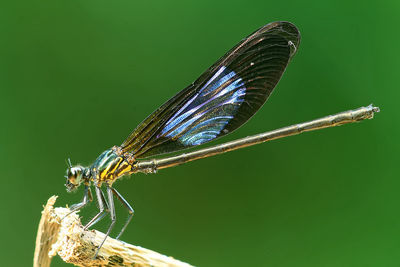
222,99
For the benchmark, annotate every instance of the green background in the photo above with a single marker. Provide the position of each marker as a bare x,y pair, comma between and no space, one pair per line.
77,76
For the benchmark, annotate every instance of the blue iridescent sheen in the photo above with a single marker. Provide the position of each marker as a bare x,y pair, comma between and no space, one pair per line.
207,113
222,99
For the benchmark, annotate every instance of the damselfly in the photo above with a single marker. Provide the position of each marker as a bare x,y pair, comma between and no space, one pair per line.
222,99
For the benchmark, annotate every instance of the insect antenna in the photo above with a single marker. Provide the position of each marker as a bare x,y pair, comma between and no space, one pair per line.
68,162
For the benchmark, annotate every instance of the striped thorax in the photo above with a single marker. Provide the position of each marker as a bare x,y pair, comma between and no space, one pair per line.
111,165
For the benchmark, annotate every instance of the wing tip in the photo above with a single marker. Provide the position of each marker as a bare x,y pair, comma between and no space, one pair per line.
287,30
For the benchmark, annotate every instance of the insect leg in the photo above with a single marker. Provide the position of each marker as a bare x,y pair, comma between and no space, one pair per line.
112,215
103,206
126,204
87,197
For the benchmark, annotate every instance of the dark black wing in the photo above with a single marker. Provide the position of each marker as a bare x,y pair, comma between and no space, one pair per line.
221,99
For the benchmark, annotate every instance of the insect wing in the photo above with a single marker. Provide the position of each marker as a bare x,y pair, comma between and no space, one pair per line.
222,98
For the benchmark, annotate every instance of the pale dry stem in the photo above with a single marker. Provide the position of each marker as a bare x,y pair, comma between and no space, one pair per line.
73,244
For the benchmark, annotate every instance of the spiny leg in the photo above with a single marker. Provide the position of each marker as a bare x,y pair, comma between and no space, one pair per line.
87,197
112,215
103,206
126,204
94,221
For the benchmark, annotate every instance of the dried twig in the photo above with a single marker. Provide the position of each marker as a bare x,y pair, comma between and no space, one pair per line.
73,244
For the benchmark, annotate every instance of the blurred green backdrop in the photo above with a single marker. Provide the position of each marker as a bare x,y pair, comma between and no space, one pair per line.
77,76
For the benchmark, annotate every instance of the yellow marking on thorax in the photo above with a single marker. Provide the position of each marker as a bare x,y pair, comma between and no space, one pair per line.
108,172
112,169
123,169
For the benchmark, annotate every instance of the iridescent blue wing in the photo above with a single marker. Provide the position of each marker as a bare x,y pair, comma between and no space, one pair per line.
221,99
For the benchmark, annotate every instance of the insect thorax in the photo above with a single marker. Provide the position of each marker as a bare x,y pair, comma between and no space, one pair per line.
109,166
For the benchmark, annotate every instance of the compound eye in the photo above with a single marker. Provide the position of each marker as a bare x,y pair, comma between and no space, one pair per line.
71,173
71,176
